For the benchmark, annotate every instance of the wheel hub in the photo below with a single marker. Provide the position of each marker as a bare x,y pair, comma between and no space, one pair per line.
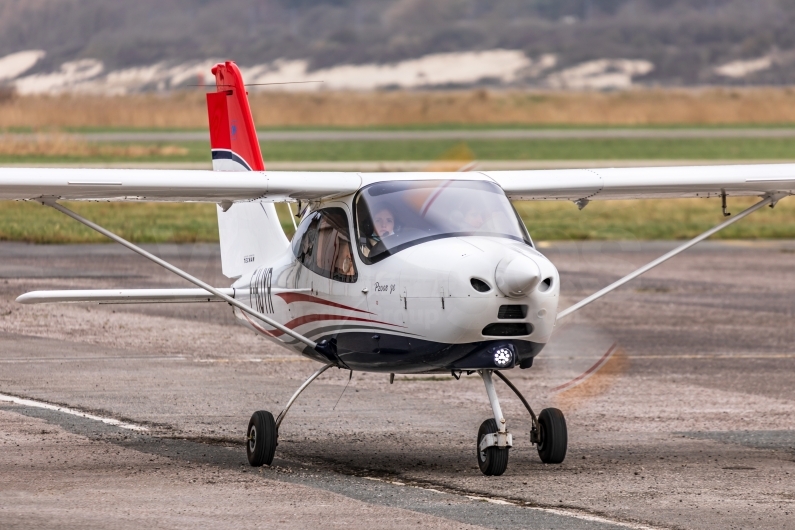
252,438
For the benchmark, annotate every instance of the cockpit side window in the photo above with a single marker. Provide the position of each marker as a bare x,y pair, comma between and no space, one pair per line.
322,244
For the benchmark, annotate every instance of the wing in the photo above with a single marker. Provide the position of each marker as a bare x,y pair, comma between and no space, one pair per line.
646,183
220,186
171,185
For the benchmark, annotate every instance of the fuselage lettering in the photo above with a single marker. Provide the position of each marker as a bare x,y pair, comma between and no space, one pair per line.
384,288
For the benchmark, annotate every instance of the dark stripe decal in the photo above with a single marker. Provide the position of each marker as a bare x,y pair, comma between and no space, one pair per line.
364,327
299,297
225,154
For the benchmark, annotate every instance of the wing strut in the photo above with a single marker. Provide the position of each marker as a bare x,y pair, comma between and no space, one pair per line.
770,199
324,348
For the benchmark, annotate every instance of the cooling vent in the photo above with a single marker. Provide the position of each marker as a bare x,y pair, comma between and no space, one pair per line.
545,285
479,285
519,329
512,312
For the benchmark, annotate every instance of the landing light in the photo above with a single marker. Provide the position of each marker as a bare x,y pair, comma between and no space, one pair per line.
503,357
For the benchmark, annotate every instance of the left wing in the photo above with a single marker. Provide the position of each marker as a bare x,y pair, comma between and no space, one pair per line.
646,182
171,185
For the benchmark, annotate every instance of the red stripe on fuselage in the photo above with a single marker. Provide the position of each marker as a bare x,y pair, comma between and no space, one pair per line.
308,319
299,297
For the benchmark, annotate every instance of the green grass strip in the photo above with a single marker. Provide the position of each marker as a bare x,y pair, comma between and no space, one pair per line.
547,221
583,149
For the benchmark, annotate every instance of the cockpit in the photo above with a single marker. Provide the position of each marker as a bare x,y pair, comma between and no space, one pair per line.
393,216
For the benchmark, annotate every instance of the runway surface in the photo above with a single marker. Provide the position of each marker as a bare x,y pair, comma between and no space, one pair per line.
450,134
690,424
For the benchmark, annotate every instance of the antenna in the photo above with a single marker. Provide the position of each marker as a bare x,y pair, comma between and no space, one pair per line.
268,84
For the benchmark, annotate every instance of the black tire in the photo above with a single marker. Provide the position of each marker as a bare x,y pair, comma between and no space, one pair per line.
494,460
261,439
553,436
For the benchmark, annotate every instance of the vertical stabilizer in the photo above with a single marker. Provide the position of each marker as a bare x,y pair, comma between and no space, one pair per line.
250,232
233,138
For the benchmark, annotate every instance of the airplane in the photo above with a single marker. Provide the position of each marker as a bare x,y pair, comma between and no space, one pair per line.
397,273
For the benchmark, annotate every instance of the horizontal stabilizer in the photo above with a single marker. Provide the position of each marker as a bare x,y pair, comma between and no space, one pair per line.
123,296
137,296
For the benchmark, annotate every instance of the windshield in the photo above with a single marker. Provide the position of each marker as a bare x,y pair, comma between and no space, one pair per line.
393,216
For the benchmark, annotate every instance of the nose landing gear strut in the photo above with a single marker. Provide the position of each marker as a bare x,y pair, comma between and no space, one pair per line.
549,432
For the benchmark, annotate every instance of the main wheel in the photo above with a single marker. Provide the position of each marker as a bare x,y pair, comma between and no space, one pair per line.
553,436
261,438
493,461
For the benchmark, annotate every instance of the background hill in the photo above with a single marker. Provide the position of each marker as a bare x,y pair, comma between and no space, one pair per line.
673,42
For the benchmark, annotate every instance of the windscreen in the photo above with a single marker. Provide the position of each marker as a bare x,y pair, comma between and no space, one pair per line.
393,216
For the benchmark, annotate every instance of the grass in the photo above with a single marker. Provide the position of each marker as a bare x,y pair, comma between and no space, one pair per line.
140,222
584,149
547,221
653,220
73,151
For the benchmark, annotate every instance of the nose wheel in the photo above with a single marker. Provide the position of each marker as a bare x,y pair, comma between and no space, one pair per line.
261,439
492,460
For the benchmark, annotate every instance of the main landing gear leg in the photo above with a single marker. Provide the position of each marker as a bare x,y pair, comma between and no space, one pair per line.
263,430
494,440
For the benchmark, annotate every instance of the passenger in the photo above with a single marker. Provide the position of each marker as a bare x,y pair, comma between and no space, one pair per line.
468,218
473,217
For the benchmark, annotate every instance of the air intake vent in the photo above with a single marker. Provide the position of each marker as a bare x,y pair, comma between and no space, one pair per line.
512,312
520,329
545,285
479,285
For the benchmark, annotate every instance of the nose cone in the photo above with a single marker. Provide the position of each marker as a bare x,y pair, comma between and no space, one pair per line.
517,276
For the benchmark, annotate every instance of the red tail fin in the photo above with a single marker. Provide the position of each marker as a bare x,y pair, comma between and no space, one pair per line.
233,138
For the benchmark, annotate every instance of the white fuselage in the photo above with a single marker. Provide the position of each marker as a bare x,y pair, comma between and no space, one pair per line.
416,310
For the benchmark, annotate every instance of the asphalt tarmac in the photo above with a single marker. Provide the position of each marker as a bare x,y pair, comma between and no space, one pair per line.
690,423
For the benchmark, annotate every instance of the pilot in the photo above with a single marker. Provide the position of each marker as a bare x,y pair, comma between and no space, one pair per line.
384,226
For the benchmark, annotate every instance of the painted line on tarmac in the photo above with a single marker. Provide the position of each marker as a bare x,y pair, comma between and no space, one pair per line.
73,412
575,514
724,357
92,359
